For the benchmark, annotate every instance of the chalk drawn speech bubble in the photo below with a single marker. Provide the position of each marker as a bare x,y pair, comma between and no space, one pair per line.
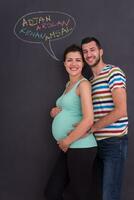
44,27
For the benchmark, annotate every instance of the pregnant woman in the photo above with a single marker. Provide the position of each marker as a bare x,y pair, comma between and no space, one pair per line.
78,149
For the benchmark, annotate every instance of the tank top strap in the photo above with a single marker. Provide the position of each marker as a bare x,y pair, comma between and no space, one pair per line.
77,84
67,84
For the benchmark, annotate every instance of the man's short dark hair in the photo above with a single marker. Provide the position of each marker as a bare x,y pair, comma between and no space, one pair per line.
91,39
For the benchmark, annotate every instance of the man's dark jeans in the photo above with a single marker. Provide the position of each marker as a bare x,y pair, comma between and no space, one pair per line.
112,153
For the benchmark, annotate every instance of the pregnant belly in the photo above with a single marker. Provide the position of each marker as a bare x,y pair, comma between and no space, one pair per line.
63,124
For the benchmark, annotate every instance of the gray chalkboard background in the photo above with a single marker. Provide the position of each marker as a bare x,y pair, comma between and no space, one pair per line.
31,80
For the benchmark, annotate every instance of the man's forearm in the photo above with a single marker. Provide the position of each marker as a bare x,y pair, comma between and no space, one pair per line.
110,118
79,131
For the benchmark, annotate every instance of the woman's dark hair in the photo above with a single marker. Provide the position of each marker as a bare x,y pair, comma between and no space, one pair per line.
91,39
73,48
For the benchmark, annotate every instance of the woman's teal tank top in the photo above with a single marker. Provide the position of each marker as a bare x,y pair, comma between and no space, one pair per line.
71,114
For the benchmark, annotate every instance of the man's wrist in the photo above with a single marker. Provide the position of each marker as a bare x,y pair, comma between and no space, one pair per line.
68,140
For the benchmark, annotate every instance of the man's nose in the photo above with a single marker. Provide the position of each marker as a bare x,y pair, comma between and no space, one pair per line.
89,54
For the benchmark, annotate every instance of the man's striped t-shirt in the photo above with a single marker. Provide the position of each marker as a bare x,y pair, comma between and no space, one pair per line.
110,77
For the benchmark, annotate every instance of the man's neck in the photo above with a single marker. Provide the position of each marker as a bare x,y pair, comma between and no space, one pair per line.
98,68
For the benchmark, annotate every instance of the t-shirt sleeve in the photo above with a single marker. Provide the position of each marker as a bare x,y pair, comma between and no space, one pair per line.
116,78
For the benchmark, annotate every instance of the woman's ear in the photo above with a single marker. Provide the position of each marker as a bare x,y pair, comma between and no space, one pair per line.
64,64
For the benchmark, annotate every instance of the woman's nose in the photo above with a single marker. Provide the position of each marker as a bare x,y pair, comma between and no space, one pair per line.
73,62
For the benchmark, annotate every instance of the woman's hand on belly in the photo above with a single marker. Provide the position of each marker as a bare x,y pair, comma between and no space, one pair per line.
54,111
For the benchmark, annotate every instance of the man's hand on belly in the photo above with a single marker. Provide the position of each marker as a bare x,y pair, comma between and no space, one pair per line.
85,135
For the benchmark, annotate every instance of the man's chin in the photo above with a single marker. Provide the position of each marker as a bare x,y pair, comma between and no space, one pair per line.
91,64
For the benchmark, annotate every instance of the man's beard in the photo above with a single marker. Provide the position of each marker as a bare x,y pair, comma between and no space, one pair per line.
96,62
